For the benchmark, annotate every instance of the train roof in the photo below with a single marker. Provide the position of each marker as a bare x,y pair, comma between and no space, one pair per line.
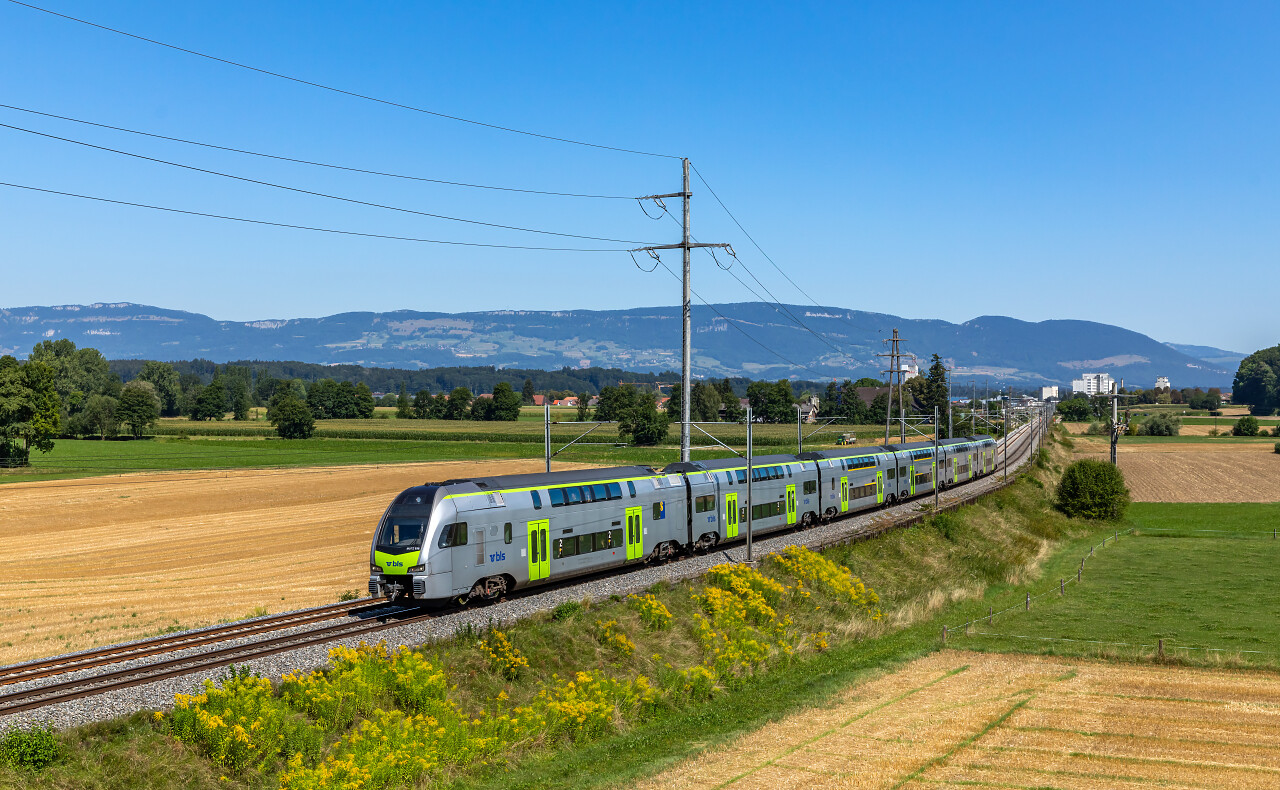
540,479
844,452
729,463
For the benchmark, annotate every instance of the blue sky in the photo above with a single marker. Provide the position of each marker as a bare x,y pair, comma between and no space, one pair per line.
994,158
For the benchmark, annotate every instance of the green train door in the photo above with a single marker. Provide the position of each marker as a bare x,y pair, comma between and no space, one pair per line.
539,558
731,515
844,494
933,478
971,465
912,472
635,533
791,504
880,487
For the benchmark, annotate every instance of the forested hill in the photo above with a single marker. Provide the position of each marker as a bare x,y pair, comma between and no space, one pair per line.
645,340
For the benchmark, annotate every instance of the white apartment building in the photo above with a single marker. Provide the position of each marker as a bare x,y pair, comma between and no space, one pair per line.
1093,383
1163,382
1049,392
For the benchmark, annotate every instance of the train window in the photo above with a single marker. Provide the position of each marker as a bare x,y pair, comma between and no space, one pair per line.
573,495
506,533
705,503
789,472
601,491
615,491
659,510
542,539
811,486
588,494
889,475
902,471
742,475
615,537
565,547
632,488
557,497
453,535
537,500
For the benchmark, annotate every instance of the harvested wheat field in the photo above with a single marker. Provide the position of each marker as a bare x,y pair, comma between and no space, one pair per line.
93,562
957,719
1170,472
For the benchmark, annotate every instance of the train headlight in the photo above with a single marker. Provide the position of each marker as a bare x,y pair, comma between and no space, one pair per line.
375,568
417,569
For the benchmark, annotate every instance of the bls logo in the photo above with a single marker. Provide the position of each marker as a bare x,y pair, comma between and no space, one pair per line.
497,556
395,564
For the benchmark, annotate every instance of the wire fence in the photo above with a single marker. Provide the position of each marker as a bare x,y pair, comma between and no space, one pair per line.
1162,647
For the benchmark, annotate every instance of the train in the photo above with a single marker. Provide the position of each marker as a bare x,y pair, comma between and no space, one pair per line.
478,539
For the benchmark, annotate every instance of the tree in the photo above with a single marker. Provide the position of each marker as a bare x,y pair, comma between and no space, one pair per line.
1093,490
526,394
1162,424
291,416
482,409
1074,410
77,373
459,404
506,403
164,378
404,409
615,402
642,425
934,391
139,407
30,410
704,403
99,415
212,404
240,400
362,404
422,405
1255,384
584,410
1245,426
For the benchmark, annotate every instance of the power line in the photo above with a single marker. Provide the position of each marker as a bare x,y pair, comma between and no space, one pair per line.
747,334
314,164
313,193
353,94
308,227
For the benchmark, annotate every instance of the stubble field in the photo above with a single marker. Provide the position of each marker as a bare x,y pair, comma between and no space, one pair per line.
1172,471
92,562
956,719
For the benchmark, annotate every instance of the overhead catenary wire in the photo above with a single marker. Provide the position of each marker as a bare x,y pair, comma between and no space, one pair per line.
353,94
315,193
309,227
312,163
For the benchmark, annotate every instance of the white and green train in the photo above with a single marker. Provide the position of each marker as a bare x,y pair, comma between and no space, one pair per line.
480,538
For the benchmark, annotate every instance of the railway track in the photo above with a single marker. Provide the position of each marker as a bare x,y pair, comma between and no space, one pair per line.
105,656
66,690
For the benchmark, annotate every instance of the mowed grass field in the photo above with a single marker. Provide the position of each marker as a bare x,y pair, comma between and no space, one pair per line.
1204,577
962,719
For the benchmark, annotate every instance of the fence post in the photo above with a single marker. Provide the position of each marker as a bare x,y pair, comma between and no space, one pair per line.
1028,602
988,615
1062,586
1091,551
1079,571
944,634
1160,648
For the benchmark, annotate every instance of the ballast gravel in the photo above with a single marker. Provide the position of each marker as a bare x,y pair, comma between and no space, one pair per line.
158,695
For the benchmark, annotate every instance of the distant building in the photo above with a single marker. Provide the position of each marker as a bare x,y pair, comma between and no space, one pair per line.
1093,384
539,399
1162,382
809,409
909,371
1049,392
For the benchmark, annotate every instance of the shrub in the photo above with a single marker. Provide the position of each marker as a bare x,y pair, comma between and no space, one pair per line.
1278,448
1162,425
34,748
566,610
1092,489
348,595
1245,426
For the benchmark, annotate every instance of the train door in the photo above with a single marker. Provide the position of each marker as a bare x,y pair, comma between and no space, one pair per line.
731,515
933,476
844,494
971,464
912,471
880,487
791,504
635,533
539,556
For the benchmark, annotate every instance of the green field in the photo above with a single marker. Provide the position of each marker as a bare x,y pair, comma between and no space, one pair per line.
1194,575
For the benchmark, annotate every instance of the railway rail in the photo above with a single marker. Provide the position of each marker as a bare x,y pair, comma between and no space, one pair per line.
62,691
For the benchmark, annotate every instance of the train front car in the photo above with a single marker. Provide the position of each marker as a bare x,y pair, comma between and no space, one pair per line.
399,553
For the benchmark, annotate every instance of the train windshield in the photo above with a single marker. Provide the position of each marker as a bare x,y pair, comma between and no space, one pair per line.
400,535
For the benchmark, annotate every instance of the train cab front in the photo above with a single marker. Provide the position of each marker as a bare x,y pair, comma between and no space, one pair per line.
399,561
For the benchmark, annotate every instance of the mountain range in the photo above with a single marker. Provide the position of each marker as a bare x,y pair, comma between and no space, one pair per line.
754,339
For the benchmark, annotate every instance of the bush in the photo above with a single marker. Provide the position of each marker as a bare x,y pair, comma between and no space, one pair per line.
1277,448
34,748
1094,490
566,610
1162,425
293,419
1245,426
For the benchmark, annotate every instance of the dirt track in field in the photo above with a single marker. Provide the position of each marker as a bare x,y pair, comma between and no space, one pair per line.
104,560
957,719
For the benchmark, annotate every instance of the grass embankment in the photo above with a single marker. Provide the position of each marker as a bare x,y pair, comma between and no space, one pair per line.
1198,576
724,665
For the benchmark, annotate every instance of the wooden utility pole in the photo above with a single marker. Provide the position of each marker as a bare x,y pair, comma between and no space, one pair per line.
686,245
895,356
